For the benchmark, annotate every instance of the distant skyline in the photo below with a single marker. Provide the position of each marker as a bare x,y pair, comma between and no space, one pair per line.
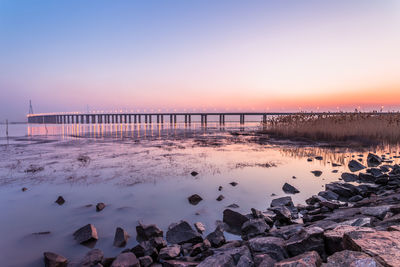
204,55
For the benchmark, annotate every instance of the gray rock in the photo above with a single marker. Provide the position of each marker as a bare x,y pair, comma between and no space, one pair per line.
86,234
355,166
263,260
194,199
378,211
60,200
145,261
194,173
145,248
356,198
307,259
169,252
92,258
127,259
220,198
308,239
349,177
177,263
234,220
253,228
283,214
182,232
216,238
54,260
282,201
227,257
145,232
351,258
121,237
329,195
100,206
287,188
273,246
373,160
317,173
199,227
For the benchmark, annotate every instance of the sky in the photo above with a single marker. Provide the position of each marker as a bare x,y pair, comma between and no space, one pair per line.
217,55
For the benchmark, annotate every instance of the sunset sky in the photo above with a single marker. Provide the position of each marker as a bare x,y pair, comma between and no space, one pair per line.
212,55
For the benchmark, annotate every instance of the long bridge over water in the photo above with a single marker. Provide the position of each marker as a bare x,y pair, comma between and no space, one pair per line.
108,118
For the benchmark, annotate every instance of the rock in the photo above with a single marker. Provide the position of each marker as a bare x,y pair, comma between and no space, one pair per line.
199,227
378,211
365,177
317,173
309,159
375,172
329,195
234,220
283,214
344,190
145,261
220,197
286,231
282,201
92,258
60,200
228,257
216,238
336,164
349,177
200,248
178,263
182,232
145,248
100,206
308,239
169,252
157,242
308,259
351,259
220,188
253,228
355,166
121,237
361,221
54,260
127,259
373,160
356,198
233,206
194,173
194,199
334,237
263,260
23,189
145,232
86,234
287,188
384,246
273,246
233,184
319,158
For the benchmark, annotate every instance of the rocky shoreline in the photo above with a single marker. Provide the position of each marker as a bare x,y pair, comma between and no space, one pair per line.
355,222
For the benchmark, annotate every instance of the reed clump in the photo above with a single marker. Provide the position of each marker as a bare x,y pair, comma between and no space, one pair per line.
366,128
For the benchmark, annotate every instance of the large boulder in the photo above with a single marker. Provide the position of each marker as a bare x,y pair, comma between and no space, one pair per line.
351,259
121,237
145,232
127,259
86,234
273,246
54,260
234,220
253,228
384,246
373,160
355,166
92,258
308,239
307,259
182,232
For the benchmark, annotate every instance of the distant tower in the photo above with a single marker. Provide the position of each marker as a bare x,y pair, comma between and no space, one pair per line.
30,107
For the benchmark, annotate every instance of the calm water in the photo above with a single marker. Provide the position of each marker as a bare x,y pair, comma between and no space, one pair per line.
142,174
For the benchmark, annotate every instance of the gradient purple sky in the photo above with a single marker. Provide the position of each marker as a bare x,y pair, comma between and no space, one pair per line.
212,55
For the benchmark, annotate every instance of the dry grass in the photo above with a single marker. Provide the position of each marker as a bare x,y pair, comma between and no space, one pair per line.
365,128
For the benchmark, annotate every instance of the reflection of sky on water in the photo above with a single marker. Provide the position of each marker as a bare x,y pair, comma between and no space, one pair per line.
145,179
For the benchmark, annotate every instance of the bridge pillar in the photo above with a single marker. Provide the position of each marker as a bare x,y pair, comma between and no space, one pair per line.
140,118
150,119
171,119
145,119
134,119
264,118
175,119
130,119
158,118
162,118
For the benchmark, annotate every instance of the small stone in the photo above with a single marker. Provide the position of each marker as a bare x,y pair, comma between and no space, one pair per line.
100,206
233,206
356,198
233,183
120,238
309,159
317,173
54,260
287,188
127,259
199,227
194,173
194,199
86,234
253,228
373,160
169,252
93,257
145,261
24,189
60,200
355,166
273,246
220,197
220,188
216,238
182,232
319,158
234,220
145,232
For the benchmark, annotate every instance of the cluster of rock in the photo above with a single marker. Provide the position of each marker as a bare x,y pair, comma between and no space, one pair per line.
344,225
